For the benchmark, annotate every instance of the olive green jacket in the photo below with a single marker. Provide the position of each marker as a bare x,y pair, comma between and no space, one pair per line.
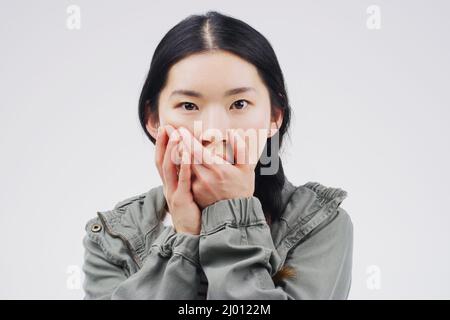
131,254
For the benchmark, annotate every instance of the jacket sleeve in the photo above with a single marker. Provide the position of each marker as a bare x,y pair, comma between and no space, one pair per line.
239,258
168,272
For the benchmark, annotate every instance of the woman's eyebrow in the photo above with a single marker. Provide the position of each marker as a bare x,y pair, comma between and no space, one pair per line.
238,90
196,94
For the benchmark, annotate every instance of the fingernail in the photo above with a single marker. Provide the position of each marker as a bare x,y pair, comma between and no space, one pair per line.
175,136
186,136
169,130
184,155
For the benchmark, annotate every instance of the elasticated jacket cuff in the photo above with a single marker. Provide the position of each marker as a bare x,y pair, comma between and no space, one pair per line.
237,212
170,242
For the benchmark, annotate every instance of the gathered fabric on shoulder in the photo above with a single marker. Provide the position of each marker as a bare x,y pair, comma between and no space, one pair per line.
133,251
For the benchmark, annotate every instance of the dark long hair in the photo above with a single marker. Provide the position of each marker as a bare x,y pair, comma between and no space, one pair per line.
215,31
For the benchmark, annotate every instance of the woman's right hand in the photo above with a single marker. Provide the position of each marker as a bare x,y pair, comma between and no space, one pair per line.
186,215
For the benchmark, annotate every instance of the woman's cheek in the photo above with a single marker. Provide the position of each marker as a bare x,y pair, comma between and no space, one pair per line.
174,118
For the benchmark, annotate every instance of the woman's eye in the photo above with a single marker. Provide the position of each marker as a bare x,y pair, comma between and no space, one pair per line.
240,104
188,106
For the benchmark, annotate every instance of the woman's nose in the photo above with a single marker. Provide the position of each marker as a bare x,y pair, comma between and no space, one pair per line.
221,149
212,137
214,128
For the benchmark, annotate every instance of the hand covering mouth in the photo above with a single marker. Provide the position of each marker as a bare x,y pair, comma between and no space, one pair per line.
224,151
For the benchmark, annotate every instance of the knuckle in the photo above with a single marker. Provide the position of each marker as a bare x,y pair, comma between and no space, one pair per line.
201,180
219,175
177,202
197,188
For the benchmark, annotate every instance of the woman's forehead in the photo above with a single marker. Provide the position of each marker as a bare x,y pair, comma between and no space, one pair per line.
212,71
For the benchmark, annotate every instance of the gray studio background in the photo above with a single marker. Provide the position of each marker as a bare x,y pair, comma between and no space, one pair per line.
368,83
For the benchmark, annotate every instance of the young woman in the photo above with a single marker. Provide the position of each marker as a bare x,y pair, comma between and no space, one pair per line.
221,226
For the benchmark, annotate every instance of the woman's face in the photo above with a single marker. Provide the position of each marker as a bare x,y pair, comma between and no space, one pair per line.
210,93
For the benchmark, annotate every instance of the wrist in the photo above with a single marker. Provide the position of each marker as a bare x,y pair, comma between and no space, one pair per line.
190,231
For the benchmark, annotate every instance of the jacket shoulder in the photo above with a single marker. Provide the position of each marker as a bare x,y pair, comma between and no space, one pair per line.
126,231
309,207
326,194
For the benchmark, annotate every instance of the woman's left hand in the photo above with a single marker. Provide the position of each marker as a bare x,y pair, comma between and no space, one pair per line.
215,178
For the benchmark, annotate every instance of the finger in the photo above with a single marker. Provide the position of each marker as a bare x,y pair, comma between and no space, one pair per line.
161,143
170,129
169,168
241,150
184,178
199,171
176,158
201,155
238,146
